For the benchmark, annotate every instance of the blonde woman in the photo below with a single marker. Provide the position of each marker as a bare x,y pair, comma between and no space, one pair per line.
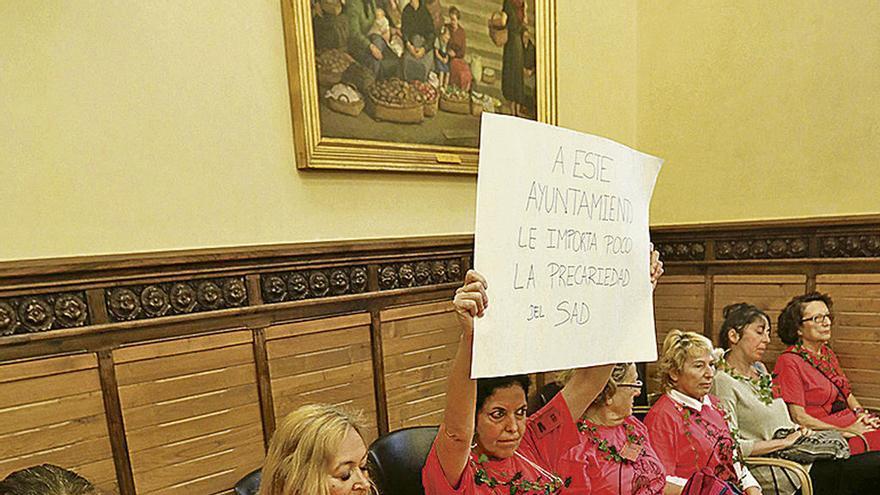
316,450
688,428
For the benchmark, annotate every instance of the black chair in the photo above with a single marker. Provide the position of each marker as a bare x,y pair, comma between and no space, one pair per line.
249,485
397,458
543,396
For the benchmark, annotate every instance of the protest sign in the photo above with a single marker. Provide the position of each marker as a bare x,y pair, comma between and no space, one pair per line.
562,239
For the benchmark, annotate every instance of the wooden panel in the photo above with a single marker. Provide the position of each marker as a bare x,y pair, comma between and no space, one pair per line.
678,304
324,360
769,292
191,412
856,331
418,343
52,411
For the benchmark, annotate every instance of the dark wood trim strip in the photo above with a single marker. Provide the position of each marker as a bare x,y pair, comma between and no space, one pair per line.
264,386
97,306
709,307
811,281
379,371
775,224
115,422
243,255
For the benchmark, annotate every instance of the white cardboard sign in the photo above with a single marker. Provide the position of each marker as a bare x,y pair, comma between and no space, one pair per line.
562,238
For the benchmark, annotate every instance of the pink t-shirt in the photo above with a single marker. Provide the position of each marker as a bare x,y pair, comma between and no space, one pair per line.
592,472
549,434
687,441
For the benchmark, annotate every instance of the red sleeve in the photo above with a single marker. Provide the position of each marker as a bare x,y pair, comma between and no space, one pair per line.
789,380
663,425
550,433
435,483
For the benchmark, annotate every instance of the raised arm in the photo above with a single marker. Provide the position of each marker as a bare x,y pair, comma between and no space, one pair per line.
586,383
453,442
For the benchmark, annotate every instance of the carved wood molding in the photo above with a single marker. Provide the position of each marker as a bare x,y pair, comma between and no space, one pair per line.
92,292
839,238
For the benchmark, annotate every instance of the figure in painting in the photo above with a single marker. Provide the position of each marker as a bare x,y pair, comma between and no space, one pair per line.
459,70
513,58
418,36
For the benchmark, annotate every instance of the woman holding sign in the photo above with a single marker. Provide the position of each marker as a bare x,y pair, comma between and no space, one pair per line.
485,443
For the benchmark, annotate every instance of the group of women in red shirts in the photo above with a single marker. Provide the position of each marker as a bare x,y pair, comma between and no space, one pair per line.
585,439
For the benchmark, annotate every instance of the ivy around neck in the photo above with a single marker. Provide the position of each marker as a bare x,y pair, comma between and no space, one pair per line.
763,385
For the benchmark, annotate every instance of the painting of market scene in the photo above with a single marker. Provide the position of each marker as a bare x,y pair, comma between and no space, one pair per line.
422,71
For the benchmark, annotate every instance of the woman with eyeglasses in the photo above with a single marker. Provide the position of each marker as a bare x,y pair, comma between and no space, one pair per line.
689,429
759,417
810,379
615,455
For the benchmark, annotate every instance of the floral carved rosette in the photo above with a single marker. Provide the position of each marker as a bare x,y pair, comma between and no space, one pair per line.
8,319
307,284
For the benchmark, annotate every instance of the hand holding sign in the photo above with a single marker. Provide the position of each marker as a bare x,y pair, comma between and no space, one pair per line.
562,231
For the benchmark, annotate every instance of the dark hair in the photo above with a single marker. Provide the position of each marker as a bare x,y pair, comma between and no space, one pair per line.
789,321
453,11
488,386
737,317
46,479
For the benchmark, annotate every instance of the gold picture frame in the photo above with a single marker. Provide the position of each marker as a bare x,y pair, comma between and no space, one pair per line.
330,148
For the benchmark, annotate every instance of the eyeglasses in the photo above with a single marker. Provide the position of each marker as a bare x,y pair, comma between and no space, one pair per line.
819,319
637,384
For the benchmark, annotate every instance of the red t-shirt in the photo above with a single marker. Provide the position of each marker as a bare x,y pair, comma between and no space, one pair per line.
684,446
592,472
549,434
800,383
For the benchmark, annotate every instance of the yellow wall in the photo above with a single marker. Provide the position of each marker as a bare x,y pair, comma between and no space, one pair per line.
143,126
762,109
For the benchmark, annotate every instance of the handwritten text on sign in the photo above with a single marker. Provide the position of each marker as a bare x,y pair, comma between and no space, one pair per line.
562,238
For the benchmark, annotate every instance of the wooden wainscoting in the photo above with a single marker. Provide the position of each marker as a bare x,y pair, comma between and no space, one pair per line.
52,410
325,360
167,373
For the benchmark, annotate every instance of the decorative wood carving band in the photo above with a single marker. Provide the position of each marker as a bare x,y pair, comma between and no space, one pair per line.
682,251
850,246
419,273
796,247
308,284
137,302
43,312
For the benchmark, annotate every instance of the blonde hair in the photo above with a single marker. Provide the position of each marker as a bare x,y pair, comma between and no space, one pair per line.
301,447
618,374
677,347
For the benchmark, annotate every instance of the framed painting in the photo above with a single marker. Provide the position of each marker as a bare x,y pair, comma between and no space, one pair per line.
399,85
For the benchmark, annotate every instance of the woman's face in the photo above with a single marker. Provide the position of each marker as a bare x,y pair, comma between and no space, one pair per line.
453,21
621,403
348,468
754,339
811,331
695,377
501,422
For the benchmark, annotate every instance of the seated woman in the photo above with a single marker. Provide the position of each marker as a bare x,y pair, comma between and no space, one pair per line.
688,428
46,479
615,455
745,389
485,443
810,379
317,449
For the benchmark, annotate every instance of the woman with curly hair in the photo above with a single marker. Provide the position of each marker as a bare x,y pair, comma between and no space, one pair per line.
689,430
810,379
